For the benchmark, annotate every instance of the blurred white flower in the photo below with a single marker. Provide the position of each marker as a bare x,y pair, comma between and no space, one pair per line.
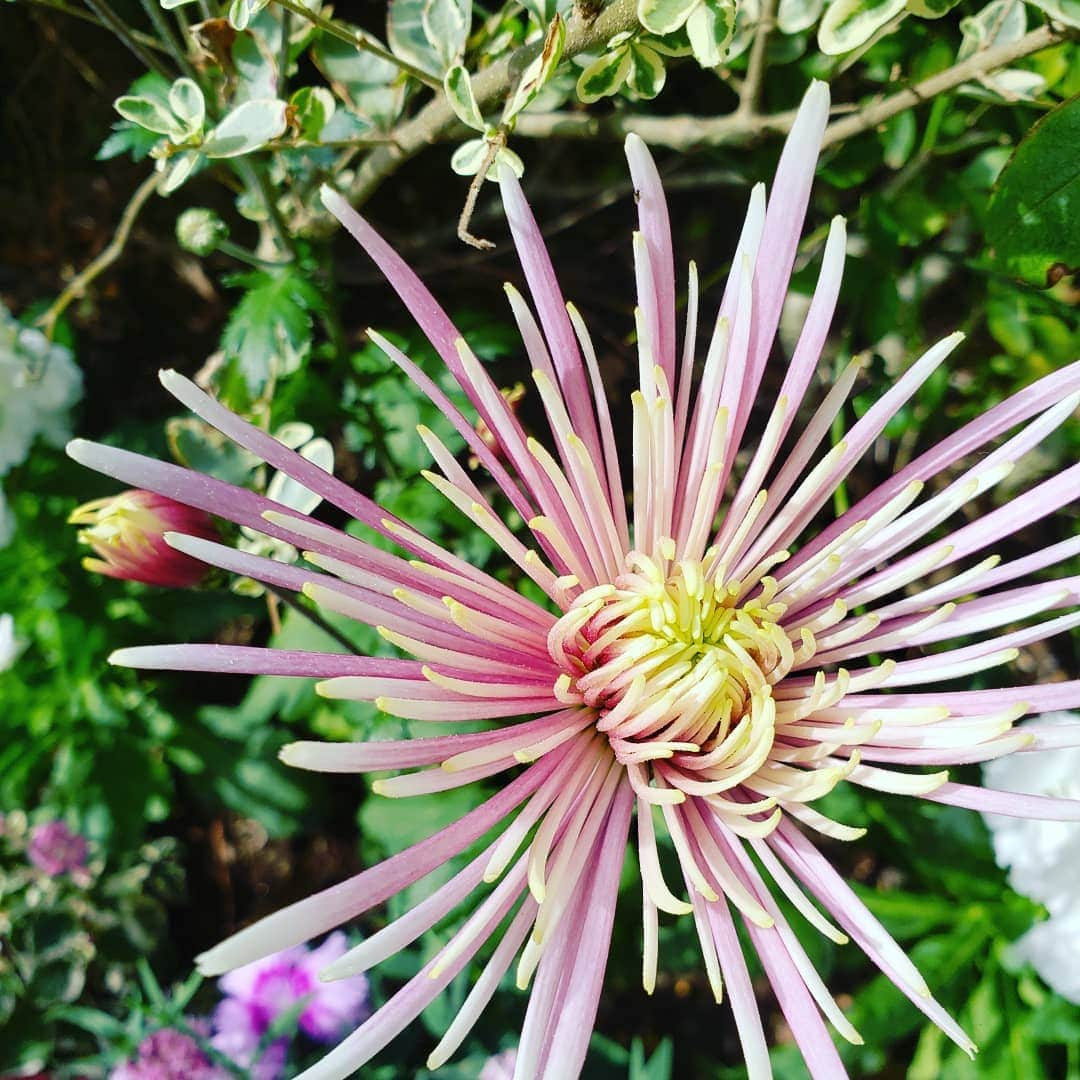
39,382
1042,857
7,642
1052,948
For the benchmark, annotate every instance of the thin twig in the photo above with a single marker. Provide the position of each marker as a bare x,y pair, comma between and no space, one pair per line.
491,84
108,255
685,132
89,17
117,26
750,91
493,147
315,618
360,40
980,63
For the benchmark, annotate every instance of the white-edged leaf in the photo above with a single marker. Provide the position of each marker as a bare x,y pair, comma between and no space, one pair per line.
241,12
176,170
746,21
1001,22
168,5
188,105
469,156
1066,11
539,71
795,16
647,73
407,38
847,24
711,27
458,87
446,27
677,43
604,76
246,128
148,114
506,159
367,83
283,489
663,16
313,107
931,9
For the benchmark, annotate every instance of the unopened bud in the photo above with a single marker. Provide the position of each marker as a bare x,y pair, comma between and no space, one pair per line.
200,231
126,532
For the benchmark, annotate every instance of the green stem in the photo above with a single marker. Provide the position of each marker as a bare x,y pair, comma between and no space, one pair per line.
315,618
283,55
165,32
110,19
241,254
360,40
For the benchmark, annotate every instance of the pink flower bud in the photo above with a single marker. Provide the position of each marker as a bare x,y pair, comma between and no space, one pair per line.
127,532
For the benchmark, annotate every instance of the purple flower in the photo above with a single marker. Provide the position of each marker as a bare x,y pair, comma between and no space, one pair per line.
55,849
168,1055
257,994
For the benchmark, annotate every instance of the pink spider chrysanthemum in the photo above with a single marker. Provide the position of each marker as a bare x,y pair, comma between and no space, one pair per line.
697,669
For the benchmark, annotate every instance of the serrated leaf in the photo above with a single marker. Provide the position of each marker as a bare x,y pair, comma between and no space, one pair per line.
127,138
647,73
269,331
847,24
795,16
1066,11
446,27
458,87
188,105
539,71
663,16
246,128
1033,224
604,76
148,114
711,27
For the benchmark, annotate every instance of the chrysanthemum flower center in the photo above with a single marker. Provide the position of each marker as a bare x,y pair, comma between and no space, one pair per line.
672,660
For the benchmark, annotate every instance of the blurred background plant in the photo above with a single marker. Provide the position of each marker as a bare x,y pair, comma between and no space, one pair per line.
161,170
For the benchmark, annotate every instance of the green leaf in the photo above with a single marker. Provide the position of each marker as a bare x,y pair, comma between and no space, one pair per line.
538,73
458,87
898,139
148,114
127,138
1033,225
269,331
188,106
847,24
246,128
1066,11
604,76
647,74
795,16
312,107
367,83
407,37
446,27
469,157
931,9
663,16
711,27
